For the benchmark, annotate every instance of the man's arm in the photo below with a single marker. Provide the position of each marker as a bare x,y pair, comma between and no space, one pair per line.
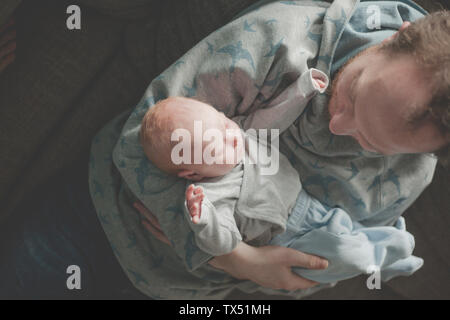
285,108
268,266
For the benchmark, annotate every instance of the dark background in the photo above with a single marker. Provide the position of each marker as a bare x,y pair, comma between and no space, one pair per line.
65,85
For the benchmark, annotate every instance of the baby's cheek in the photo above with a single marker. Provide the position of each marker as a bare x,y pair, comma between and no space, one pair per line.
233,155
240,151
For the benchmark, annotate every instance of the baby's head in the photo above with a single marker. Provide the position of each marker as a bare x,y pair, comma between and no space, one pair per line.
165,118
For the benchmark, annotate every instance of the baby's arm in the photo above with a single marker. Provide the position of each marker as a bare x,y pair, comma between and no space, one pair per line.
214,228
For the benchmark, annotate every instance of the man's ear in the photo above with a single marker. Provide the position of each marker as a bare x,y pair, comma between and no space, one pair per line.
190,175
405,25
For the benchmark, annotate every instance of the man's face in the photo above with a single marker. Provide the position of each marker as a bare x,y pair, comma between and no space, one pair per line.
374,95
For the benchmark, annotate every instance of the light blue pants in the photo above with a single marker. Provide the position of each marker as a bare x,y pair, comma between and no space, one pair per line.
350,248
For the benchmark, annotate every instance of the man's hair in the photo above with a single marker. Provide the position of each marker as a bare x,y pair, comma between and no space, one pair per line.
428,41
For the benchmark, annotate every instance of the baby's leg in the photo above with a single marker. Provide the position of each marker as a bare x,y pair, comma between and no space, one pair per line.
350,249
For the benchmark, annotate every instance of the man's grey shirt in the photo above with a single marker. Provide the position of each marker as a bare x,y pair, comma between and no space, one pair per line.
239,69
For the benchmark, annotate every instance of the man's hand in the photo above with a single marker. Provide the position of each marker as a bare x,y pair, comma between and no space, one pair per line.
194,198
7,45
268,266
150,223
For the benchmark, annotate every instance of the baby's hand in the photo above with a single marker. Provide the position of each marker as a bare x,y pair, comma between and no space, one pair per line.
194,198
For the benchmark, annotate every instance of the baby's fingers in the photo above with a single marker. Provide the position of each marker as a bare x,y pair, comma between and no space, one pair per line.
198,197
193,208
190,192
195,211
196,200
195,219
198,190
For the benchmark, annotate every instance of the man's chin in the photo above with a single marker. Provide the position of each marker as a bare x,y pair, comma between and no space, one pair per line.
332,125
332,108
335,114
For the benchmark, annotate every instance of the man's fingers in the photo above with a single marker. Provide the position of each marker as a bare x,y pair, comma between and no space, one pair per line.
296,282
7,25
158,234
152,219
7,49
7,37
7,46
147,215
7,61
296,258
142,210
151,223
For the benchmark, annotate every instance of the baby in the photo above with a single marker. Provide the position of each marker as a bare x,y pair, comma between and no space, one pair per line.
233,201
181,113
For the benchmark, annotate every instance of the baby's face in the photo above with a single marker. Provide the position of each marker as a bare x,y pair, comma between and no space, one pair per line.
221,152
217,139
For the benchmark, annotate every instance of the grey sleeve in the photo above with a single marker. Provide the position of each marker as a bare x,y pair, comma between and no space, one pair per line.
216,233
285,108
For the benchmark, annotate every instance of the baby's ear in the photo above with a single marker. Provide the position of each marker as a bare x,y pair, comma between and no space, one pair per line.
185,173
190,175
